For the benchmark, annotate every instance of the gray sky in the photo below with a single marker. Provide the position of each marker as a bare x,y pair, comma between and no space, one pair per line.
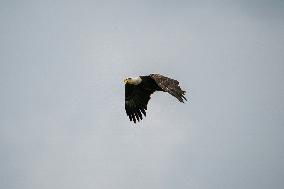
62,118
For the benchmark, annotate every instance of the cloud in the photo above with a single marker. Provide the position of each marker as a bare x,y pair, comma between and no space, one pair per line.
63,123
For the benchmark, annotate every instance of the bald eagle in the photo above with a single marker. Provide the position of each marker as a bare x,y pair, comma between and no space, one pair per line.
139,89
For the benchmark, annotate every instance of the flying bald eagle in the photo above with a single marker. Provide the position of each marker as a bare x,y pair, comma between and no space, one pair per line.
139,89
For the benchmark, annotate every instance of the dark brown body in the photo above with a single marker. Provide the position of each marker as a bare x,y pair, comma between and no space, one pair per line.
138,95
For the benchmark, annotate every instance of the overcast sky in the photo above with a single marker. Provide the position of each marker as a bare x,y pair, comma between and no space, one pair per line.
62,118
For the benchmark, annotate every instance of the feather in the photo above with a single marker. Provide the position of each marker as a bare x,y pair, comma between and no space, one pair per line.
169,85
138,93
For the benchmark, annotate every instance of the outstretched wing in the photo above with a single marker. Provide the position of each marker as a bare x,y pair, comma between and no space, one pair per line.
136,100
169,85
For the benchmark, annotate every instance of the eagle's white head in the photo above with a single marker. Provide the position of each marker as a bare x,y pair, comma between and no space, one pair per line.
133,80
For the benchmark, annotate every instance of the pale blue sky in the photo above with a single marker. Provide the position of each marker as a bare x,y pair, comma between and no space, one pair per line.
62,118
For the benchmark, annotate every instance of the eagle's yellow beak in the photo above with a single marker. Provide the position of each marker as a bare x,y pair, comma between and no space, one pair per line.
125,81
